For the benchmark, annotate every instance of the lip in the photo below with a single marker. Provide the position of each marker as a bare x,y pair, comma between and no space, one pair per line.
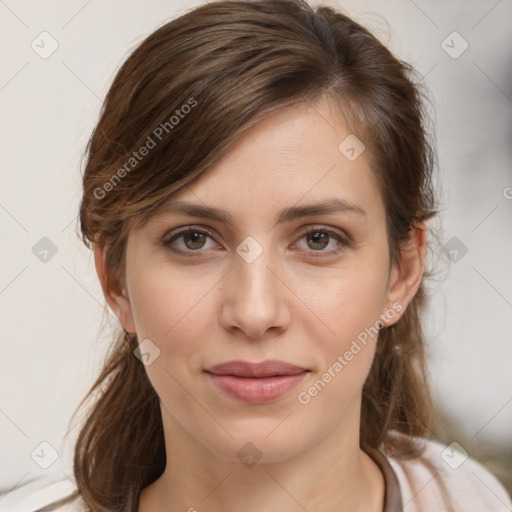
267,368
256,383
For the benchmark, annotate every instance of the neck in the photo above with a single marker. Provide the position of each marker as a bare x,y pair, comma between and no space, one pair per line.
333,475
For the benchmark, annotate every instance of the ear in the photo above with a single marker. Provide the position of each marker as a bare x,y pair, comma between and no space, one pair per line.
407,274
116,297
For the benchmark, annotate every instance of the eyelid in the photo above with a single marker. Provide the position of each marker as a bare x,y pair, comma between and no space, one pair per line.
176,233
185,229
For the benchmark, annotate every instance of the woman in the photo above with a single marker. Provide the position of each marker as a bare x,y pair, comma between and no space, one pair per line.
256,195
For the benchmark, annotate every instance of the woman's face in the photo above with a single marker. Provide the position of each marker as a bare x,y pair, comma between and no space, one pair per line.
275,282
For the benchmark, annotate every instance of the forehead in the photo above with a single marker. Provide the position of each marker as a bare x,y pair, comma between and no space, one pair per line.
296,156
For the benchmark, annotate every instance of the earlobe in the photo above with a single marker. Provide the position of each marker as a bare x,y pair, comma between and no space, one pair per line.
406,276
116,298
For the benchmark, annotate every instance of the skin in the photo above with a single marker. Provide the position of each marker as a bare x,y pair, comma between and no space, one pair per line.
297,302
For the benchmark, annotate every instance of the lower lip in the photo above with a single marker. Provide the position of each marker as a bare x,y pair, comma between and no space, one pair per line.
257,390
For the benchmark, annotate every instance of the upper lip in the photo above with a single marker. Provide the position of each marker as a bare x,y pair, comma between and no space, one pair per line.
267,368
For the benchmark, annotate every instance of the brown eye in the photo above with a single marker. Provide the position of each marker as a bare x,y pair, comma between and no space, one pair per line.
318,239
324,241
194,240
188,241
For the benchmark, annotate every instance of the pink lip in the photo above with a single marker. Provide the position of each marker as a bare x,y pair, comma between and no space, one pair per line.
256,382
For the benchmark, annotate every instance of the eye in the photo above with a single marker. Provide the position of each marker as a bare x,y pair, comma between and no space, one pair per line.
319,238
193,240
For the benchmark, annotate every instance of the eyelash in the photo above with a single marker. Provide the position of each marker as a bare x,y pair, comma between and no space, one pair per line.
171,237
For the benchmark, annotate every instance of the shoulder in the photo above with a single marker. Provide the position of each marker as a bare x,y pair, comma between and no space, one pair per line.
445,478
41,493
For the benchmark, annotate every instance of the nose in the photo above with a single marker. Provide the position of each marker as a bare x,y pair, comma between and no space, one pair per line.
255,297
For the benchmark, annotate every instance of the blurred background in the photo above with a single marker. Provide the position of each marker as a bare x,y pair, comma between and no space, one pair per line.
58,59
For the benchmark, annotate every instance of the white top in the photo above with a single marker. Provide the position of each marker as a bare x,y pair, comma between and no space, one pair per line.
426,484
443,474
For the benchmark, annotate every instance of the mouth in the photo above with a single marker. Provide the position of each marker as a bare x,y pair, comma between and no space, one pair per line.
256,383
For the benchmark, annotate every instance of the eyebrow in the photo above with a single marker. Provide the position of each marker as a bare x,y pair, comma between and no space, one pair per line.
288,214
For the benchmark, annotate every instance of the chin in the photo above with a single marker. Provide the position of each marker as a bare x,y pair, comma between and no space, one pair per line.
260,443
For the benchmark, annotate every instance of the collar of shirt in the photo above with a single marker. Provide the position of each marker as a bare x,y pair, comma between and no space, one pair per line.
393,498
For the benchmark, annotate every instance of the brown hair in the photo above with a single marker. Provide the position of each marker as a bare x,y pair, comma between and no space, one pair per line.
198,82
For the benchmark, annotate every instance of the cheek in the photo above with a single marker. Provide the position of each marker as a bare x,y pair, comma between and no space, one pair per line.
172,313
168,308
177,319
346,355
351,301
350,306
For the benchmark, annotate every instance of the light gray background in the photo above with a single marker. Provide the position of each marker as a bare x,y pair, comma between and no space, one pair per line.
52,342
